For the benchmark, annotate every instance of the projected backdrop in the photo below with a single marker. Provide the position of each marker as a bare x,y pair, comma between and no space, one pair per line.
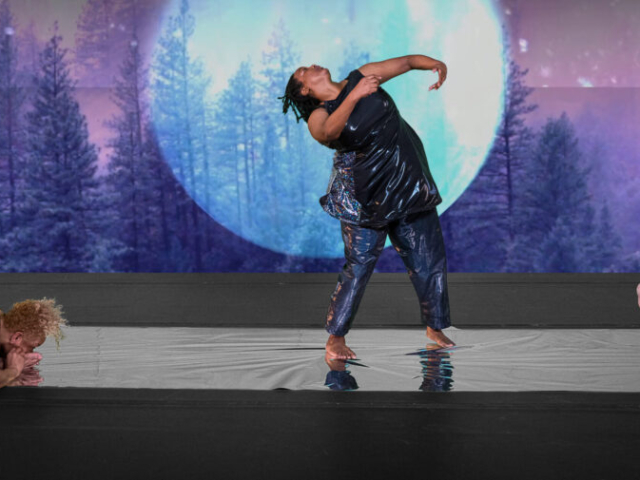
271,199
147,135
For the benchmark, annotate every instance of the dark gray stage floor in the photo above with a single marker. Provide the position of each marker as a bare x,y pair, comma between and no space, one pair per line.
78,433
490,300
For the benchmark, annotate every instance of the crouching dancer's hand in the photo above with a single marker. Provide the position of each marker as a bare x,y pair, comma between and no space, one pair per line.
29,377
31,359
12,367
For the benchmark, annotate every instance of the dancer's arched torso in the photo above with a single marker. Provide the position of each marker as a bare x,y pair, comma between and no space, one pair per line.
380,169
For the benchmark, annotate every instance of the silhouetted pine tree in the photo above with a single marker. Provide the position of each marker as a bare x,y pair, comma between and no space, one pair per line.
606,259
128,176
602,253
231,160
608,183
205,127
480,227
166,252
179,96
269,143
278,64
235,113
558,251
555,231
59,225
12,103
291,157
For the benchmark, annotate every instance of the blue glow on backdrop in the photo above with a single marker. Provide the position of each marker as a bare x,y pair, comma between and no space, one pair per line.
261,174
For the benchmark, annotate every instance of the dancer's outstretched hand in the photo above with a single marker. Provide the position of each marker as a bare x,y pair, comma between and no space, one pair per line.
441,68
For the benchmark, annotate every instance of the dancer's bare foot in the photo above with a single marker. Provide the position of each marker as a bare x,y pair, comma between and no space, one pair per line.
337,348
638,292
439,337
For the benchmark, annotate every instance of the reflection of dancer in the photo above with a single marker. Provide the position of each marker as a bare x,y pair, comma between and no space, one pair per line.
437,371
381,184
23,329
338,377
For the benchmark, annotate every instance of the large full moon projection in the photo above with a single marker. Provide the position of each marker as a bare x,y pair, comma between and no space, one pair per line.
259,173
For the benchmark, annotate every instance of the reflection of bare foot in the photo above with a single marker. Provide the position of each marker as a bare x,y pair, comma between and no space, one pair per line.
337,348
334,363
439,337
638,292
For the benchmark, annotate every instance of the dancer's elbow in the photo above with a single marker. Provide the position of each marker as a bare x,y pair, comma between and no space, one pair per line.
320,128
329,137
321,135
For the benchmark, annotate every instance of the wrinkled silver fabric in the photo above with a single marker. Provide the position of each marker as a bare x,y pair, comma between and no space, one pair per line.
389,359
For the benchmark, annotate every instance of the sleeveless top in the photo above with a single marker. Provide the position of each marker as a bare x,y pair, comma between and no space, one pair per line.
380,170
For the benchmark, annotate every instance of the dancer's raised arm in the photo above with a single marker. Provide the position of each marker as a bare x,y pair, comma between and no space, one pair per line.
388,69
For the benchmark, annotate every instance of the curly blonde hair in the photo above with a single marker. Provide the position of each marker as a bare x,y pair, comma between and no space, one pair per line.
36,319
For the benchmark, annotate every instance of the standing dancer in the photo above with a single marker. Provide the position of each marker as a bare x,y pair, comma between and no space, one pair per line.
380,184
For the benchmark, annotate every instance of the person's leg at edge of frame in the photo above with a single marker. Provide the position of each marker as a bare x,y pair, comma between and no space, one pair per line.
419,241
362,248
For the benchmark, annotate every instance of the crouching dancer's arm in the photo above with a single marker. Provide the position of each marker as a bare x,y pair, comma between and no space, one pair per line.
13,366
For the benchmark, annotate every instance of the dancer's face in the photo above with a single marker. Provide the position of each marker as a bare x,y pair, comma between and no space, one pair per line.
10,340
311,78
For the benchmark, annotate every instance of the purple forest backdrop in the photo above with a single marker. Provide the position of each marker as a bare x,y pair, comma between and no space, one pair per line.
84,186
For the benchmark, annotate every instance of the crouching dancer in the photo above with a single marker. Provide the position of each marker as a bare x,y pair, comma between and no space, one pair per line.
23,329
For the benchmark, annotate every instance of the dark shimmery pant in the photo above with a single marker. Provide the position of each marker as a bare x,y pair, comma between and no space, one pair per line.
418,239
